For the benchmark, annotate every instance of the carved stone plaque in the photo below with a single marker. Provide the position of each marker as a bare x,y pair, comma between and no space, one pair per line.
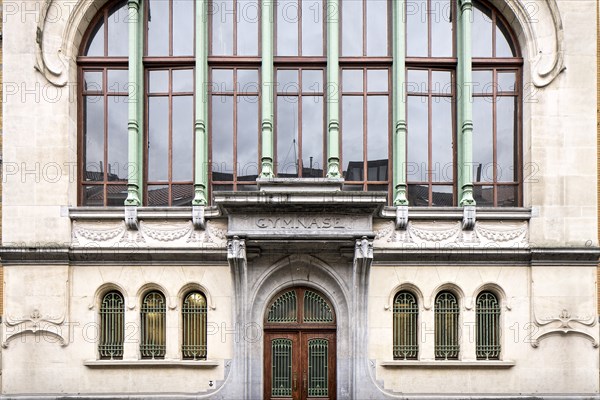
301,225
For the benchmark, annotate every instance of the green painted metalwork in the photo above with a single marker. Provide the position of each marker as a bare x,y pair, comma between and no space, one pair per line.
316,308
153,315
201,123
318,382
193,313
446,327
406,315
465,104
134,126
333,89
281,361
284,309
488,327
399,104
112,326
267,98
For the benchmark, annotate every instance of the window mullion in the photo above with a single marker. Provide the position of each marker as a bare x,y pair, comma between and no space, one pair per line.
465,105
399,101
267,77
201,107
332,91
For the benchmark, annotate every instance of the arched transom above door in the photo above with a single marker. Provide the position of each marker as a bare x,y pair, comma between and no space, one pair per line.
300,306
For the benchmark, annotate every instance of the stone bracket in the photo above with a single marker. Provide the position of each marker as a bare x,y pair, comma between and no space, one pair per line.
198,219
131,218
401,218
469,218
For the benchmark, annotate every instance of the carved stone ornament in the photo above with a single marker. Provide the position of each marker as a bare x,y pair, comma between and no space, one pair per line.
563,324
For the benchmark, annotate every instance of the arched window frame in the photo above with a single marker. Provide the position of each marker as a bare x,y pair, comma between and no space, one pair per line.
447,332
194,344
112,325
488,326
153,312
405,329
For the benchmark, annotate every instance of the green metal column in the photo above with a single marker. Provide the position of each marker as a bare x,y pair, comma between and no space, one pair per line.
333,89
465,104
399,74
267,170
201,123
134,125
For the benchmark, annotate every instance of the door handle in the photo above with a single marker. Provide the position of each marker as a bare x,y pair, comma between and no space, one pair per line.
295,381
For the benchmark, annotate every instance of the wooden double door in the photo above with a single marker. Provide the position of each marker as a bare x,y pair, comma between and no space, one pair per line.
300,347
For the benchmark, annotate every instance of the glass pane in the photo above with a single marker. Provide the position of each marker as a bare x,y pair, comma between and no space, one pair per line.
183,138
247,188
416,28
281,362
158,82
96,43
352,28
247,80
318,377
158,195
377,80
183,80
441,140
222,188
312,27
483,140
117,138
222,138
483,82
507,81
507,196
441,82
183,27
92,81
222,27
116,195
377,188
158,138
287,137
222,81
377,32
117,80
287,81
377,138
93,196
441,28
182,195
504,47
442,196
248,12
288,15
158,28
482,32
417,81
94,139
312,81
352,138
418,142
247,138
353,188
118,32
312,136
484,195
506,118
352,80
418,195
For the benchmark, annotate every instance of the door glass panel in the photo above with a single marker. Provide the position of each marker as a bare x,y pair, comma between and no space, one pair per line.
281,353
284,308
317,368
316,308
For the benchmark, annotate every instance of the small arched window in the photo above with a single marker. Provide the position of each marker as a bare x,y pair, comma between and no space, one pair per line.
446,327
153,315
193,313
406,316
488,326
112,327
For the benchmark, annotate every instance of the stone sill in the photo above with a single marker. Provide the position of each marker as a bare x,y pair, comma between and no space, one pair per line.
456,213
106,213
151,363
448,364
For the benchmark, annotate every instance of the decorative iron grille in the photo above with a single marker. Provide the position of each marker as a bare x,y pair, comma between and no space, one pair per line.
406,314
153,316
194,326
446,327
112,327
281,354
284,309
316,308
488,327
317,368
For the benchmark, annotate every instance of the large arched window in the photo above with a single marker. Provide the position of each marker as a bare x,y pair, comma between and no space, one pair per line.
405,329
244,114
112,326
446,327
488,326
193,314
153,317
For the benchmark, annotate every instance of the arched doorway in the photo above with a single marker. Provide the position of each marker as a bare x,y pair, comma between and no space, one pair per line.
300,346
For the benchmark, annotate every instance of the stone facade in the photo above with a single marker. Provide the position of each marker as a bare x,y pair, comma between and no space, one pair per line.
540,260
